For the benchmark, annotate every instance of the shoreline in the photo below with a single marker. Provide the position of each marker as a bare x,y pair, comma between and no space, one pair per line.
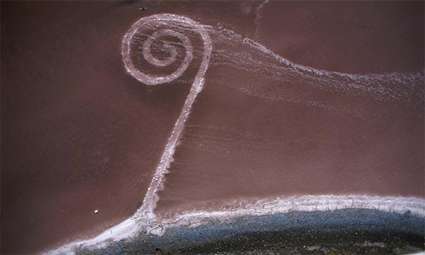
405,207
201,238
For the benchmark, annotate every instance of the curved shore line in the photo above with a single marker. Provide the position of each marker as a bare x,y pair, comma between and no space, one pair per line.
310,203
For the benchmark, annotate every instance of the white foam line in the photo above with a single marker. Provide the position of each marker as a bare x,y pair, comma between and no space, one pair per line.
126,229
352,81
394,86
306,203
400,77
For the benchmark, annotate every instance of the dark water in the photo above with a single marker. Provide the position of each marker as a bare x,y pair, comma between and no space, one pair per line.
338,232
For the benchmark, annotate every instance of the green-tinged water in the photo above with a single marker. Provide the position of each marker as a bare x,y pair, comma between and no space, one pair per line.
304,242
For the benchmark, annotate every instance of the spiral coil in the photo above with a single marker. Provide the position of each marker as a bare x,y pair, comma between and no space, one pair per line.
146,212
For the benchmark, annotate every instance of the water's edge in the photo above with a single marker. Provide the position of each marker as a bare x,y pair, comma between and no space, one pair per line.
362,227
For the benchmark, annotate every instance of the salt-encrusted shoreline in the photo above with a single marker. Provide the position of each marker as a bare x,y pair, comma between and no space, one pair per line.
310,203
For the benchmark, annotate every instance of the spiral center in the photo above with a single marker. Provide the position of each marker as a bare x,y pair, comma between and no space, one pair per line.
167,47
